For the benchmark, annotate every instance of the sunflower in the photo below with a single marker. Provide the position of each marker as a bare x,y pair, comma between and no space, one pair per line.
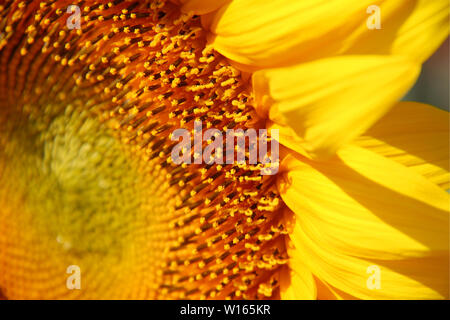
87,180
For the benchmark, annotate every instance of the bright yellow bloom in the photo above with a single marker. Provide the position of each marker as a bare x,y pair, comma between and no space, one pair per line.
86,176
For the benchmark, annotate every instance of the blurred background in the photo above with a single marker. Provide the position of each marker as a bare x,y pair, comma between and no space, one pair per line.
433,84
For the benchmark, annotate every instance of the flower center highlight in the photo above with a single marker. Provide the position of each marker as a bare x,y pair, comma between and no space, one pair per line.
85,162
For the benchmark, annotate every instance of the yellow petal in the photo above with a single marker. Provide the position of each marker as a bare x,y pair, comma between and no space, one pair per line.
200,6
297,287
331,101
297,282
287,137
415,30
282,32
360,209
327,292
424,30
415,135
414,278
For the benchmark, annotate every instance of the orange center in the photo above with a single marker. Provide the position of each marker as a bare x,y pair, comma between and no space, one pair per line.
86,176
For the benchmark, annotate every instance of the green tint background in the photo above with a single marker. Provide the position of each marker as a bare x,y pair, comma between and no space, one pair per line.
433,84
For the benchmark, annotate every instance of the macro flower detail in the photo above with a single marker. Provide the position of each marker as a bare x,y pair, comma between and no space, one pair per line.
87,179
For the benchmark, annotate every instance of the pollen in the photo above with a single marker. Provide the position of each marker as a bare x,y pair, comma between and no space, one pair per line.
86,176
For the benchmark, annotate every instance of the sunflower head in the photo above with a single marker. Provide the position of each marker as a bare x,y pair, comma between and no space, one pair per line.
91,93
87,178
